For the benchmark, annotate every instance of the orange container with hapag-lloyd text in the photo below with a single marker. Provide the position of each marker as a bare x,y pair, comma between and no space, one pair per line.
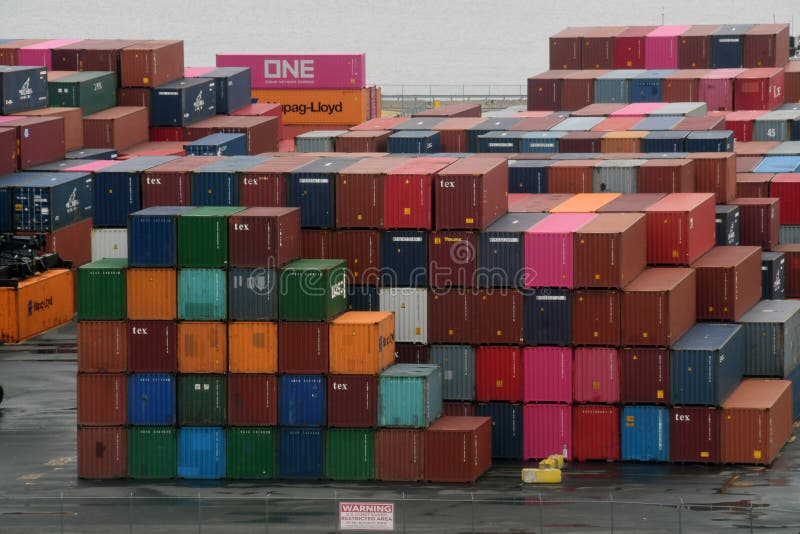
253,347
152,294
37,304
202,347
361,343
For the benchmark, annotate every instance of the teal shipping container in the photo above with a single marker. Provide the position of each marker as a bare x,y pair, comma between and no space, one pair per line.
409,396
201,453
202,295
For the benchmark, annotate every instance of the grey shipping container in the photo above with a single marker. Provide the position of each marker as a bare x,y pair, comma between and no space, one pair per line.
318,141
790,233
458,370
252,294
774,126
410,308
787,148
615,176
773,275
772,338
614,87
578,124
651,124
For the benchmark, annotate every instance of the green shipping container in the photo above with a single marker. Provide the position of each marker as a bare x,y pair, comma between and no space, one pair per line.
101,290
203,237
350,454
152,452
202,400
92,91
251,452
313,290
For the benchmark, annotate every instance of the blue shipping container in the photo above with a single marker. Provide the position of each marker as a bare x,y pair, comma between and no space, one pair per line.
773,276
727,225
489,125
301,400
706,364
22,89
727,46
218,144
794,377
404,258
500,142
153,236
201,452
232,88
217,184
362,298
312,189
92,153
528,175
6,207
614,87
417,123
414,142
794,125
202,295
458,370
252,294
646,87
645,433
506,428
117,190
501,250
541,142
548,316
778,164
301,453
710,141
183,102
151,399
47,201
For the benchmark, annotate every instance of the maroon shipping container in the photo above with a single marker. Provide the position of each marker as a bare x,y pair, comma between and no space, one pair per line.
566,48
629,47
303,348
103,452
792,82
8,151
352,401
581,142
359,192
766,45
264,237
410,353
316,244
595,432
644,376
597,110
361,249
707,123
728,282
694,434
399,455
451,111
252,400
363,141
596,317
453,132
264,184
570,176
458,449
166,133
631,203
134,96
761,88
68,57
746,164
545,90
39,140
151,63
152,346
72,243
261,132
452,259
694,47
498,374
659,306
102,399
119,128
683,85
715,172
102,347
680,228
536,124
610,250
73,124
9,52
458,409
498,317
90,55
471,193
759,221
537,203
595,375
598,47
451,316
792,253
752,185
169,184
577,89
754,148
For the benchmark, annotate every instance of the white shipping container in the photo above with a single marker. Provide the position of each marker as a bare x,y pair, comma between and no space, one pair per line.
109,243
410,307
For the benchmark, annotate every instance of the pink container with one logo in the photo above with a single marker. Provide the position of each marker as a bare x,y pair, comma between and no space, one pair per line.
661,47
547,429
547,374
42,53
301,71
548,250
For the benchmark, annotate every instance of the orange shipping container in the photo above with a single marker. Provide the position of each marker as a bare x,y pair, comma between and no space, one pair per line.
319,106
622,142
152,294
361,343
253,347
585,203
37,304
202,347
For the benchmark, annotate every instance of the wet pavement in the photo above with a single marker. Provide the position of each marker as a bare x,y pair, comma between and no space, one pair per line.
40,492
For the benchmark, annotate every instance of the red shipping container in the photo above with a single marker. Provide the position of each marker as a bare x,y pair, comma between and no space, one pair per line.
766,45
102,452
566,47
498,317
792,81
577,89
103,55
644,376
694,434
545,90
792,253
72,243
264,184
361,249
572,176
680,228
659,306
471,193
102,399
152,346
166,133
264,237
595,432
547,430
38,140
581,142
596,317
786,187
399,455
451,316
694,47
596,110
741,123
759,221
453,132
458,449
134,96
761,88
379,123
716,89
452,259
102,347
728,282
410,353
753,185
73,124
610,250
252,400
316,244
715,172
458,409
536,124
359,192
598,47
263,110
630,47
119,128
498,374
547,374
536,203
707,123
261,132
408,193
595,375
169,184
8,151
151,63
363,141
352,401
683,85
303,348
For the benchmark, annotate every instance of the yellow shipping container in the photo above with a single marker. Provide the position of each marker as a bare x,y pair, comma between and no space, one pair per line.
37,304
319,106
361,343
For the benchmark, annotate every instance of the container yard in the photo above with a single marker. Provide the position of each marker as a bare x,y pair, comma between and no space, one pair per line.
243,295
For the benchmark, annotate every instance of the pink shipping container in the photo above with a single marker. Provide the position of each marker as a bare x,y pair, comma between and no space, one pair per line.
547,374
680,228
301,71
595,375
716,89
761,88
42,53
196,72
548,250
547,429
661,47
639,109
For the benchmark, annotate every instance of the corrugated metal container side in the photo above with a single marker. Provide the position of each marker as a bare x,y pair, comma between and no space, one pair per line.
24,88
102,347
680,228
168,184
756,421
46,201
547,430
540,142
252,400
596,375
547,374
453,132
596,432
766,45
491,124
458,409
772,338
794,378
361,250
261,131
350,454
727,46
710,141
330,106
253,347
545,89
612,87
645,433
759,221
458,449
202,295
362,298
596,317
151,63
506,428
644,376
201,453
457,363
152,453
300,71
317,141
577,89
527,176
408,193
120,127
264,237
694,434
359,192
664,141
410,353
151,399
352,401
252,294
571,176
363,141
202,347
452,259
301,453
152,346
661,47
548,316
707,363
610,250
301,400
414,142
773,275
498,374
361,342
759,88
404,260
499,317
715,172
565,48
500,142
623,142
727,221
251,453
598,47
218,144
90,91
303,348
264,184
399,455
774,126
786,186
73,124
102,452
501,257
102,399
647,87
312,187
101,290
752,184
153,236
312,290
716,89
727,282
409,396
548,250
683,85
451,316
410,308
792,78
471,193
630,47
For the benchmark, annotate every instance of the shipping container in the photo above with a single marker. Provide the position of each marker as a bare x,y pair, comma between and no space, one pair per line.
596,375
451,111
102,347
759,88
575,176
414,142
101,290
598,49
541,142
232,88
253,347
506,428
786,187
773,275
527,176
203,237
631,203
610,250
46,201
252,400
630,47
451,316
202,399
300,71
408,193
202,347
9,53
361,250
548,316
117,191
251,453
613,87
410,353
362,298
716,89
664,141
715,170
581,142
596,432
457,364
304,347
498,374
458,449
152,346
644,376
683,86
501,253
317,141
596,318
727,282
536,203
218,144
168,184
727,46
771,330
500,141
489,124
680,228
264,184
548,250
775,126
302,400
352,401
410,309
152,237
90,91
102,399
624,142
311,188
661,47
547,374
766,45
399,455
301,453
360,192
759,221
73,124
217,184
152,453
264,237
319,106
202,295
694,434
252,294
71,243
498,317
362,141
261,131
452,259
22,88
361,343
151,63
201,453
102,452
312,290
645,433
120,128
404,260
566,47
547,431
151,399
647,87
350,454
409,396
458,207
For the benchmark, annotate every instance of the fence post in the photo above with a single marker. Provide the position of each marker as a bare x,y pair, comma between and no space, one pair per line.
611,506
541,514
199,527
680,516
750,513
266,513
62,512
403,514
130,513
336,517
472,497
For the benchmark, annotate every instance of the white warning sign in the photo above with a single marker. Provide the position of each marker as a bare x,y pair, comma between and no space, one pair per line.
366,516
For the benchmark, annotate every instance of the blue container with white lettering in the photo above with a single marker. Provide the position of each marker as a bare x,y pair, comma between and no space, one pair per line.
44,201
404,258
414,142
301,453
528,175
312,189
151,399
644,433
153,236
232,88
727,46
301,400
647,86
217,184
201,453
501,250
548,316
540,142
500,142
218,144
492,124
183,102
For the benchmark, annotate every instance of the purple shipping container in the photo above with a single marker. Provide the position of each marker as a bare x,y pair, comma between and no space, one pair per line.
547,374
661,48
300,71
548,250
